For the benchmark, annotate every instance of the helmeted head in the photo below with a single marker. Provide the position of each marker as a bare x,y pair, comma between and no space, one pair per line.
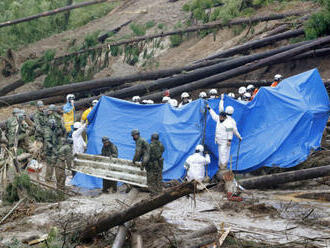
136,99
241,90
144,101
250,88
199,148
246,96
278,77
166,99
203,95
229,110
22,112
184,95
52,123
70,98
150,101
40,105
213,93
20,116
135,134
231,95
155,136
173,102
51,109
94,102
105,140
16,111
77,125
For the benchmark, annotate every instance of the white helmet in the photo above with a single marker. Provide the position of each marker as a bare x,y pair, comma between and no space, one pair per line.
166,99
94,102
202,94
213,92
150,102
199,148
135,98
145,101
278,77
241,90
229,110
184,95
246,96
70,97
250,87
231,94
173,102
77,125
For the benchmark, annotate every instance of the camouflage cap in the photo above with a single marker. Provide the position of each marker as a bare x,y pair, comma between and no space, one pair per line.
40,104
155,136
52,107
135,132
16,111
105,139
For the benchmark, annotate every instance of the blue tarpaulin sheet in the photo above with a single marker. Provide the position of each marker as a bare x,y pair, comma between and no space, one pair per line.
279,127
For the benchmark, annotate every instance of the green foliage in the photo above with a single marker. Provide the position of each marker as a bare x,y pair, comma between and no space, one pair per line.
150,24
138,29
176,39
15,243
22,183
21,34
318,25
161,25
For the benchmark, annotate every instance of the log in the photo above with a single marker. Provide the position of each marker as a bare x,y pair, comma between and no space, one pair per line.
103,37
138,209
12,210
136,241
203,83
120,237
272,180
256,44
196,234
51,12
278,30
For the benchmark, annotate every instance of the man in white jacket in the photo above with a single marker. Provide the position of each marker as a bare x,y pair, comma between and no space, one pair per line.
195,164
223,136
79,144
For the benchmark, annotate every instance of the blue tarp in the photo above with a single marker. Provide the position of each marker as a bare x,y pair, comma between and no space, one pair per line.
279,127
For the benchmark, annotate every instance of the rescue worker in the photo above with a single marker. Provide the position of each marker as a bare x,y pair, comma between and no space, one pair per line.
195,164
213,93
142,149
155,166
144,101
110,150
12,127
277,80
64,159
241,92
231,95
52,114
69,114
24,132
202,95
136,99
51,145
40,119
250,88
246,97
166,99
173,102
87,111
223,136
150,101
185,99
79,144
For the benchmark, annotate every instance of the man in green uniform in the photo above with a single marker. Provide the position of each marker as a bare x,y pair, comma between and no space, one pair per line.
110,150
64,158
40,121
12,127
142,149
51,144
155,166
52,114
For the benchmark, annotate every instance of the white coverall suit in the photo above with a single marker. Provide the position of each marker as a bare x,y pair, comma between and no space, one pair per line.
195,164
223,134
79,144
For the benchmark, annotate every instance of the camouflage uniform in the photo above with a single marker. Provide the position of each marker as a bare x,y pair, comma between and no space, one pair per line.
40,121
12,129
112,152
51,144
142,152
155,167
64,157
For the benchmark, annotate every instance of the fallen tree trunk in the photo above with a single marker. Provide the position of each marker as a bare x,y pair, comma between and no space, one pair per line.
189,30
285,177
136,241
278,30
255,44
103,37
278,58
138,209
120,237
51,12
10,87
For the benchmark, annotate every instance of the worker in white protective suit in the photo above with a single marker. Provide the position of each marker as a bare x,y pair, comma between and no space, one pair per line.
202,95
79,144
223,136
173,102
213,93
166,99
195,164
185,99
241,92
136,99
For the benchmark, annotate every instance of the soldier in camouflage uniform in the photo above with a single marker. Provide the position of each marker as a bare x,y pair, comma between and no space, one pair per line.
40,121
142,149
12,127
110,150
51,145
64,158
52,114
155,166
